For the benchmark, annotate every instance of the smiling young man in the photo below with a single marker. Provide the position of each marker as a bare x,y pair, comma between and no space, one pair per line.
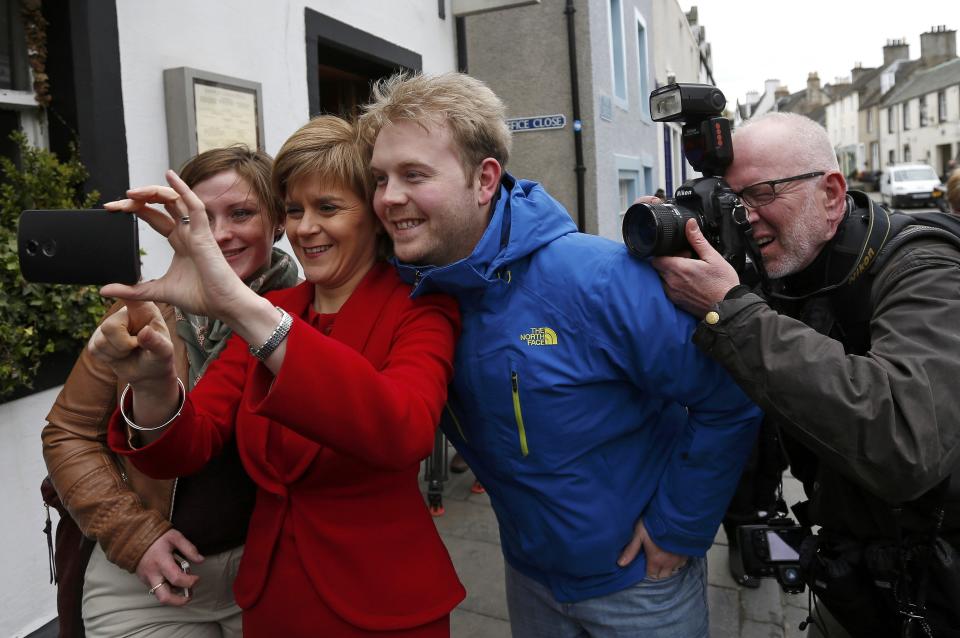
855,356
608,445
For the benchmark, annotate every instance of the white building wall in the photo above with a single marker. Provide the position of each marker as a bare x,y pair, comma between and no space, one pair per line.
249,39
27,599
253,40
923,140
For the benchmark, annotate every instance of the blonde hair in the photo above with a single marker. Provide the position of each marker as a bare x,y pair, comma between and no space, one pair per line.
467,106
253,166
327,147
953,190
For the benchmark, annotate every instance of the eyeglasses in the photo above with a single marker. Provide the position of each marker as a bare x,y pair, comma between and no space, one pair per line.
762,193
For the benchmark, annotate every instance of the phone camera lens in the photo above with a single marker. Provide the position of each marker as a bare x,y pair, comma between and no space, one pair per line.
32,247
49,248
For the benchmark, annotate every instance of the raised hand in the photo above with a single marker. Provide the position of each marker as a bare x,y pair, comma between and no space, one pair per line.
135,342
199,279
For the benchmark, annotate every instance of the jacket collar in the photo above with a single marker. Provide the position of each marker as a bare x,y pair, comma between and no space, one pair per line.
359,314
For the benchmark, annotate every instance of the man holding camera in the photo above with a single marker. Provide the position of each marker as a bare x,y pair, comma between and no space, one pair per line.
599,431
857,365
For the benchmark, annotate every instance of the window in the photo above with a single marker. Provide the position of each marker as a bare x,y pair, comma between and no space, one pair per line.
906,152
642,65
923,112
890,120
891,157
869,120
18,109
906,117
942,106
628,188
617,53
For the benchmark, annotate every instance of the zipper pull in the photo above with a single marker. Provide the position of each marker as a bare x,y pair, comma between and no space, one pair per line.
418,274
514,382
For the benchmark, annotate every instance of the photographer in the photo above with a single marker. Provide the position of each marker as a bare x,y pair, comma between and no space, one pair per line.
857,369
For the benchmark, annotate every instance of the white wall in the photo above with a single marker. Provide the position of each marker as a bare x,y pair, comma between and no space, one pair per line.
27,599
253,40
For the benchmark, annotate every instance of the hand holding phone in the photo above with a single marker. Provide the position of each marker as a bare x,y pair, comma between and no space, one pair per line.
78,247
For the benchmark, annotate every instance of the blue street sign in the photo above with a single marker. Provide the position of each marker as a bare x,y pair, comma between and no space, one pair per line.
537,123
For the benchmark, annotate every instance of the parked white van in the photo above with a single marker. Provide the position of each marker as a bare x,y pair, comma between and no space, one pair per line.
903,185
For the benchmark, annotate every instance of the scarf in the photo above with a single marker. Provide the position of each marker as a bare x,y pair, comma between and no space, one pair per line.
205,338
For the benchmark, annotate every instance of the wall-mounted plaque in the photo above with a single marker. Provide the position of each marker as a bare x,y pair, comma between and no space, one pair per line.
207,110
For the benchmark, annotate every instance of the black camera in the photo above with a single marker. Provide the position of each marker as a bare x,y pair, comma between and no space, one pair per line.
772,550
658,229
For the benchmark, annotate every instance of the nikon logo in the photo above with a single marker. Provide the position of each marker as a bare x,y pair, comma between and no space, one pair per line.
683,192
540,337
862,266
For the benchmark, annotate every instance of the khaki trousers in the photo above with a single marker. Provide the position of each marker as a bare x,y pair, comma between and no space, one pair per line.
116,603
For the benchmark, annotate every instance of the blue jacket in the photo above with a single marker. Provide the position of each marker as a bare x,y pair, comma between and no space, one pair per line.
580,402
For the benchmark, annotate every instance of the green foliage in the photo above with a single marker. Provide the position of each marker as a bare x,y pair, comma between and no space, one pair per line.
38,319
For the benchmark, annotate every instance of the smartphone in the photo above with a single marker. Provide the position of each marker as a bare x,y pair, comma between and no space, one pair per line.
184,566
78,247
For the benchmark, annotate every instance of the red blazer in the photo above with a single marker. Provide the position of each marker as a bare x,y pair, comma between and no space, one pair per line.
334,443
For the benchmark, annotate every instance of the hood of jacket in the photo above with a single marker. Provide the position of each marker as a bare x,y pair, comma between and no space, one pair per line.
525,218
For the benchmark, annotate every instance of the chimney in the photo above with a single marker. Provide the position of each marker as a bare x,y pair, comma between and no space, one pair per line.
937,45
895,50
692,16
857,72
781,92
752,97
770,86
815,94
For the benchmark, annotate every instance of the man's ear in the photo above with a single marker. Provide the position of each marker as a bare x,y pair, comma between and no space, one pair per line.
835,196
489,180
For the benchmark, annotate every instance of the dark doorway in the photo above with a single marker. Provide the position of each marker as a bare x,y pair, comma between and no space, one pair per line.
343,61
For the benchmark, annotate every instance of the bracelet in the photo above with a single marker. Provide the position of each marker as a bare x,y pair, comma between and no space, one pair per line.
130,423
276,337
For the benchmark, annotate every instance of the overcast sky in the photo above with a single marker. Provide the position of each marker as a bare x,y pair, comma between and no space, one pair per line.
757,40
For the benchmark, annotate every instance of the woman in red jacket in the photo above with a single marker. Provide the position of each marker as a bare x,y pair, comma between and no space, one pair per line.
332,389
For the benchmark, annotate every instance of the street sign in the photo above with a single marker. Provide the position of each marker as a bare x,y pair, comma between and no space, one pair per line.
537,122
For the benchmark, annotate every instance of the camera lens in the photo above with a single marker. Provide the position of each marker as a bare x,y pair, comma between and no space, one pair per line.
49,248
654,229
32,247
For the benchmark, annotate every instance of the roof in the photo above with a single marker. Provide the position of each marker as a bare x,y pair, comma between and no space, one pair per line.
923,82
872,96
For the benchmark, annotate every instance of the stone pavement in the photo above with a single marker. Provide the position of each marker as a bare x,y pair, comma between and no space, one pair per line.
469,530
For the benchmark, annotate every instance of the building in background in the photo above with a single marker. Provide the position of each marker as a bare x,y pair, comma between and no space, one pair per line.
621,50
921,112
904,111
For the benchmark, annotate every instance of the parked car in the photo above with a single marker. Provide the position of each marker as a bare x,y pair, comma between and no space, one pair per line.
903,185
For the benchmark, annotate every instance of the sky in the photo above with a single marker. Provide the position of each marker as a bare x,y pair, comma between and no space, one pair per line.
756,40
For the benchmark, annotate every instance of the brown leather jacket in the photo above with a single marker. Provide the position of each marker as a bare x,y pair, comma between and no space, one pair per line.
111,501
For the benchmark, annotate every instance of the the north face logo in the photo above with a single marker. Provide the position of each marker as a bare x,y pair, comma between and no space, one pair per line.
540,337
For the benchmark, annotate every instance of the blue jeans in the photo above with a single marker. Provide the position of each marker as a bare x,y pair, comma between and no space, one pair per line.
672,607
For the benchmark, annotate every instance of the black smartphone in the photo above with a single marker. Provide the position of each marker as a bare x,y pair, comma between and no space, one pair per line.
78,247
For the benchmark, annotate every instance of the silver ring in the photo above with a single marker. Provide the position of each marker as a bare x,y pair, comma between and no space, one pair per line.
185,219
153,590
